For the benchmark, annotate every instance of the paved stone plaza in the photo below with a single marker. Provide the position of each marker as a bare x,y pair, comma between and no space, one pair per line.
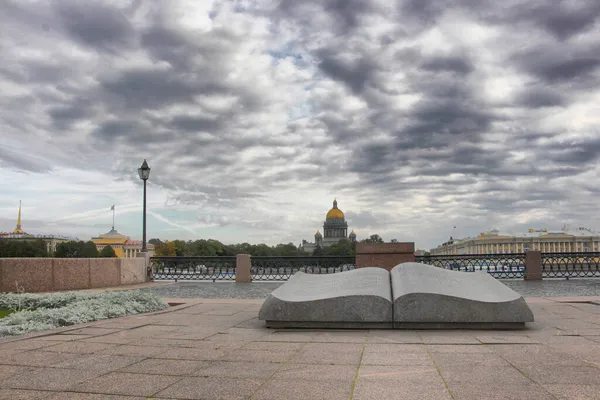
217,349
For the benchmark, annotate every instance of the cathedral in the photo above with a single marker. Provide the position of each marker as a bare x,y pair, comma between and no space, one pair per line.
335,228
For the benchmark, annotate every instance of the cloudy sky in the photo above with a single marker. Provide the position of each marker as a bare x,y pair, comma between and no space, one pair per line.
417,115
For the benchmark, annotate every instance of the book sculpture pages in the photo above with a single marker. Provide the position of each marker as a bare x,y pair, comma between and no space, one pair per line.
410,296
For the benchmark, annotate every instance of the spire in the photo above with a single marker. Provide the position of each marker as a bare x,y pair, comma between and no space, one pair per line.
334,203
18,228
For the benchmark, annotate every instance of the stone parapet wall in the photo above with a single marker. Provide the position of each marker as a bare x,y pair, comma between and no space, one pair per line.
384,255
57,274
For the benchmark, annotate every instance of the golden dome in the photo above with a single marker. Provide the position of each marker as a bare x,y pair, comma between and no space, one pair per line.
335,212
318,233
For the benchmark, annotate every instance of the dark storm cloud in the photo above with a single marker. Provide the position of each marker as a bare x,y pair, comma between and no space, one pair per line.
137,89
540,97
64,116
346,15
437,115
355,74
461,65
96,25
572,152
38,71
555,65
562,19
192,124
114,129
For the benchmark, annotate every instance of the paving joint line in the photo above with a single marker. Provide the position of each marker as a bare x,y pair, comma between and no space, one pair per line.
524,374
288,361
438,371
355,381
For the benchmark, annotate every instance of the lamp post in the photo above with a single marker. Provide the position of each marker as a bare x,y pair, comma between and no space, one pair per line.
144,172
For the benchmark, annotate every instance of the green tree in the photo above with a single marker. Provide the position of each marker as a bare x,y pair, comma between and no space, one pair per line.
70,249
23,248
373,239
107,252
89,250
343,248
262,250
166,249
203,248
155,241
180,248
289,249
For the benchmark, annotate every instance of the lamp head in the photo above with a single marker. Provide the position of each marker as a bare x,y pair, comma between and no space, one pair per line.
144,171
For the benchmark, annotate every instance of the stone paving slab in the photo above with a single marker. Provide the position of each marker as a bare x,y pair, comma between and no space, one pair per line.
215,349
276,389
211,388
127,384
18,394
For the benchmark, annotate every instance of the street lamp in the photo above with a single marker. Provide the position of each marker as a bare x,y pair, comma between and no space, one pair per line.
144,172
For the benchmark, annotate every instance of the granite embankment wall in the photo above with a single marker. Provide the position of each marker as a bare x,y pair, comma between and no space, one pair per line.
55,274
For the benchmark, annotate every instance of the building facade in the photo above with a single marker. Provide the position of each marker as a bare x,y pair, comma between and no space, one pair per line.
19,234
123,246
566,240
335,228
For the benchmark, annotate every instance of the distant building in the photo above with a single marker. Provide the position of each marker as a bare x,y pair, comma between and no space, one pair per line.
123,246
335,228
566,240
51,240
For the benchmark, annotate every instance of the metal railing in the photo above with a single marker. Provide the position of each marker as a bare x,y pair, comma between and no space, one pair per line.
193,268
282,268
570,265
497,265
274,268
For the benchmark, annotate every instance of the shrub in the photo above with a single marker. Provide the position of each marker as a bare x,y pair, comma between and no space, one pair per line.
42,312
107,251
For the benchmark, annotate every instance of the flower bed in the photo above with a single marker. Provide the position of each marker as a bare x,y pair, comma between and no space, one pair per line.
36,312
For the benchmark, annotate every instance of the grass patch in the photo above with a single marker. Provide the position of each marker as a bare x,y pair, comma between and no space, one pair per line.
36,312
5,311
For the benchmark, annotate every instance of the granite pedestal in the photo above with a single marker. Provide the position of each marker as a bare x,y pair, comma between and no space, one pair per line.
410,296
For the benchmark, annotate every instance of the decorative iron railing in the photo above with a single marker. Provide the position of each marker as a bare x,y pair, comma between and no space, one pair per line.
570,265
281,268
554,265
193,268
497,265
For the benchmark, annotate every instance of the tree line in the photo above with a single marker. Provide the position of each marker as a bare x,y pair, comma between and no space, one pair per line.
81,249
38,248
201,247
211,247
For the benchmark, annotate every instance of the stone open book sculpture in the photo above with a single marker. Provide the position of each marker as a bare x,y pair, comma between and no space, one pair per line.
410,296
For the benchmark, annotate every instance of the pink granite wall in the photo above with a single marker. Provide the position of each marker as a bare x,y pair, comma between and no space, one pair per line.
31,274
54,274
104,272
71,273
133,270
